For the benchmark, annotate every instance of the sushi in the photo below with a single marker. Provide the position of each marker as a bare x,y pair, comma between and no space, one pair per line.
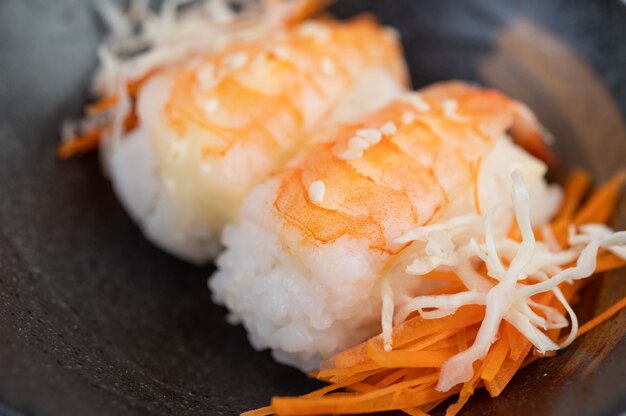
302,266
185,132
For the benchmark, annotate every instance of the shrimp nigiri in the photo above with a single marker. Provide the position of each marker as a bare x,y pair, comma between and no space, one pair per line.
302,266
195,136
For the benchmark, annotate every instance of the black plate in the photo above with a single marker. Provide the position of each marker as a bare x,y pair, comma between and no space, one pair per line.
94,320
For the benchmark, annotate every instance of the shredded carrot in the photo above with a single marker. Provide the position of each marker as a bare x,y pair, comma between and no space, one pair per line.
601,205
496,357
392,377
103,105
575,189
361,387
408,359
608,261
376,401
88,141
466,392
461,339
415,412
85,143
263,411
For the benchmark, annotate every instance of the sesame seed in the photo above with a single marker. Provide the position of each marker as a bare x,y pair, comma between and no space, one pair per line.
372,136
388,128
328,66
357,142
351,154
211,106
236,60
206,76
316,192
449,109
281,52
416,100
408,117
314,30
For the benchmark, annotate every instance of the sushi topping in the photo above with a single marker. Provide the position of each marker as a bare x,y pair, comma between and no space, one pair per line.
316,192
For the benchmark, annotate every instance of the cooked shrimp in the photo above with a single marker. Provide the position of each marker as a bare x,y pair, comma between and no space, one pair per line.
427,154
330,222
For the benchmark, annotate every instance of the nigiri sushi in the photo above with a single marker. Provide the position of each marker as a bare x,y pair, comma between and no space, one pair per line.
302,266
189,139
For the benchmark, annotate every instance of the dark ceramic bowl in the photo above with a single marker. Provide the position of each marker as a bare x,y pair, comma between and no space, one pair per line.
96,321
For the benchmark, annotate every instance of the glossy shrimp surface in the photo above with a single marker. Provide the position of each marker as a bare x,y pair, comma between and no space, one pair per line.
232,118
413,162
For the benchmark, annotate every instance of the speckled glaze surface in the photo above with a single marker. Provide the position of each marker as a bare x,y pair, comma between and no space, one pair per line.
94,320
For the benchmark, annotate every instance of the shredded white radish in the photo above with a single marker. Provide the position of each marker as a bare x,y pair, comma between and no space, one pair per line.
387,314
144,40
458,244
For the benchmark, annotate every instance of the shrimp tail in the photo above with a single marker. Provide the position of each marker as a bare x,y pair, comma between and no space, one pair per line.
528,133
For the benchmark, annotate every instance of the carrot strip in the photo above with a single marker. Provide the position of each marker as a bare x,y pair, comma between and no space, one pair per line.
263,411
337,375
466,392
461,340
601,205
494,360
608,261
103,105
392,377
441,276
576,187
414,412
508,369
361,387
418,327
78,145
376,401
408,331
336,386
411,359
348,358
433,339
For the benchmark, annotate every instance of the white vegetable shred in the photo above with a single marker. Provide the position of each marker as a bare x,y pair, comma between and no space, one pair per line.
462,243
